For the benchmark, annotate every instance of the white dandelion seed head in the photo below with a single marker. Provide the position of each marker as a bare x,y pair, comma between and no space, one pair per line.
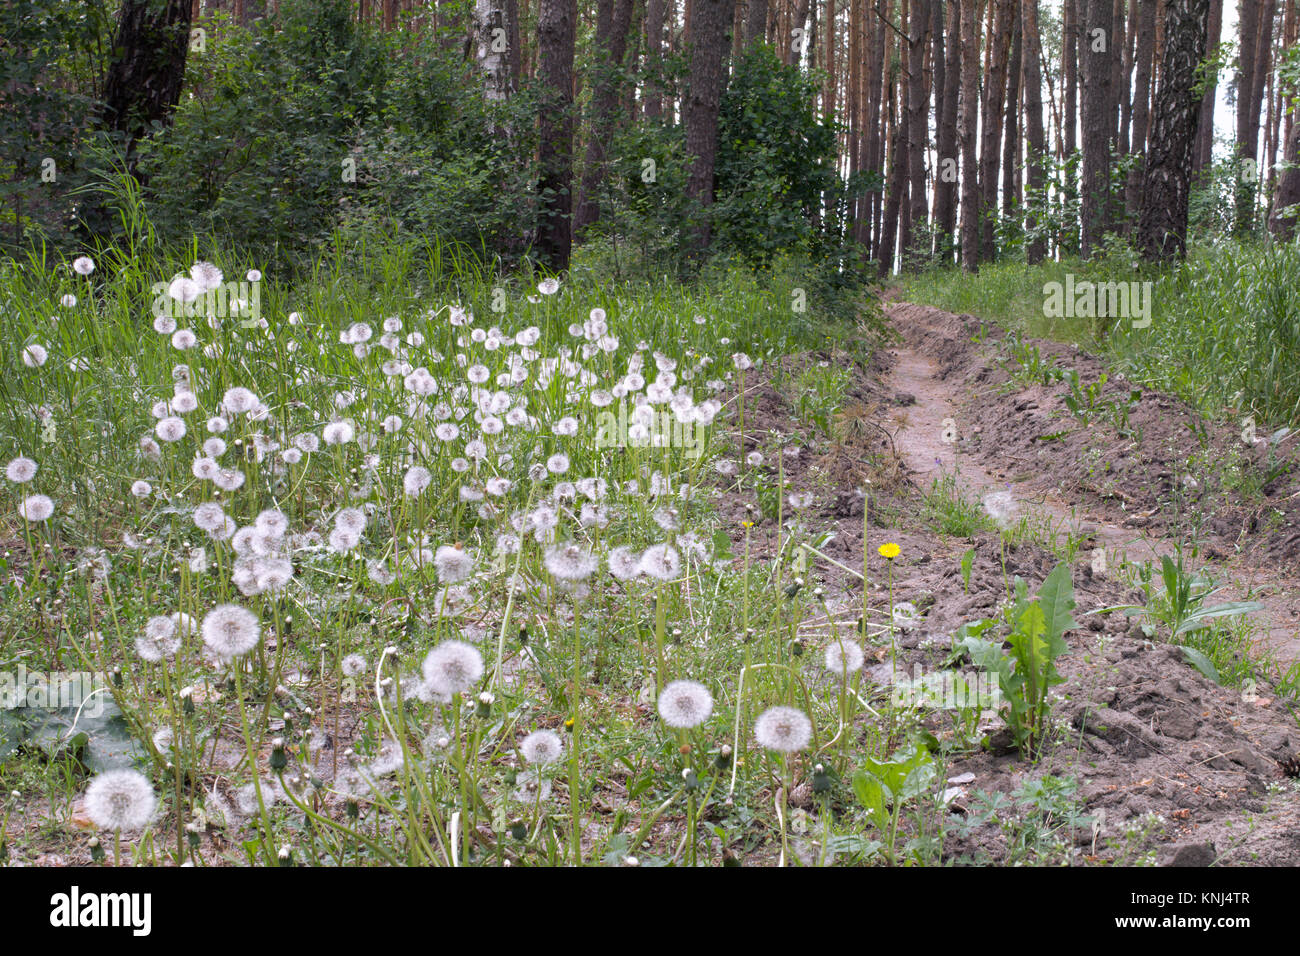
159,640
685,703
210,517
34,355
21,470
416,479
542,747
844,656
548,286
1002,507
239,400
661,562
354,665
83,265
784,729
452,667
338,433
120,800
570,562
351,520
206,276
36,508
228,479
273,523
341,541
231,631
184,289
624,563
453,564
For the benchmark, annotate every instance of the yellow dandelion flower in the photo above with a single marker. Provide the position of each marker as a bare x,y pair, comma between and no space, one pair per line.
888,550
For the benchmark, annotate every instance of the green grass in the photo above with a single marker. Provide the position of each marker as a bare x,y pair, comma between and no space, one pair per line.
1224,332
948,511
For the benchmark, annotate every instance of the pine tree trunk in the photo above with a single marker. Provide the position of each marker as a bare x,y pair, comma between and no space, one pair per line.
1162,233
1286,200
1070,72
710,43
948,75
556,26
613,20
897,189
1096,53
143,82
1037,153
1145,28
918,126
654,46
966,121
1011,136
994,117
756,22
1204,153
1247,32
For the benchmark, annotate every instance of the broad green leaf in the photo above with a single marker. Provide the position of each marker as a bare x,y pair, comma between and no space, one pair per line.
1197,619
1056,597
1202,663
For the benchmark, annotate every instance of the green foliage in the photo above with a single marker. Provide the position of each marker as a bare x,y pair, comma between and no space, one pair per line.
51,56
1027,671
1181,606
885,787
1223,335
1037,820
948,511
312,122
775,157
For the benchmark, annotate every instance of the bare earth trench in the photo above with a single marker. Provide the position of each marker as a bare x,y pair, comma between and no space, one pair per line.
1175,768
1163,740
922,440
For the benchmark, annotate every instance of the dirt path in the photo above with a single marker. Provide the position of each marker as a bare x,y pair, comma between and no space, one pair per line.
934,380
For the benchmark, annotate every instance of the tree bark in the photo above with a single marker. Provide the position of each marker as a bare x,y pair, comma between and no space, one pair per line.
947,75
1096,52
1011,135
1070,72
654,46
143,82
710,43
613,20
1247,32
897,169
1162,233
556,26
918,126
1286,200
966,120
1037,153
1204,152
995,102
1145,28
756,22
